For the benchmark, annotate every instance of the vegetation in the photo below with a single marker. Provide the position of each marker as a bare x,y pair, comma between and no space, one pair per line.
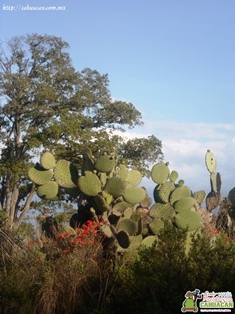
121,253
48,105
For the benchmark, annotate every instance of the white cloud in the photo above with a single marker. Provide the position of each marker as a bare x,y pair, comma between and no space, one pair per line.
184,146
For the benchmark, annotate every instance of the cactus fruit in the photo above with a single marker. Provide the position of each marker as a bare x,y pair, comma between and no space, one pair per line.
47,160
210,161
66,174
160,173
48,190
134,195
89,184
39,175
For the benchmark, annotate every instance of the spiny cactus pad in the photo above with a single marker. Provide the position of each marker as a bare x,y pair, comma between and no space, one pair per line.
121,206
184,203
188,220
149,241
199,196
87,164
39,175
115,186
123,239
173,176
218,182
159,210
101,204
160,173
48,190
210,161
165,191
122,171
89,184
47,160
134,195
156,225
178,193
105,163
66,174
134,177
127,225
213,181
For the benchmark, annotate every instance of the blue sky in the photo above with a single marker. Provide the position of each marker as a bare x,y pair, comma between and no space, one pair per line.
174,60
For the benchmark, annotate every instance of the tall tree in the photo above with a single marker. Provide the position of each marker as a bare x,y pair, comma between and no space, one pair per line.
47,104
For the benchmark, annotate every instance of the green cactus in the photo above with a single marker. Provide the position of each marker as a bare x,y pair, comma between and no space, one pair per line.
184,203
199,196
178,193
160,173
89,184
123,239
165,191
156,225
134,177
159,210
47,160
173,176
105,163
66,174
127,225
188,220
40,175
149,241
210,161
115,186
49,190
134,195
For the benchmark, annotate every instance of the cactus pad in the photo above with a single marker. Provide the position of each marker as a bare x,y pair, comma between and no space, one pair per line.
105,163
210,161
184,203
174,176
120,206
101,204
115,186
218,182
199,196
48,190
134,177
39,175
165,191
47,160
134,195
123,239
178,193
160,173
159,210
188,220
149,241
66,174
156,225
127,225
89,184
